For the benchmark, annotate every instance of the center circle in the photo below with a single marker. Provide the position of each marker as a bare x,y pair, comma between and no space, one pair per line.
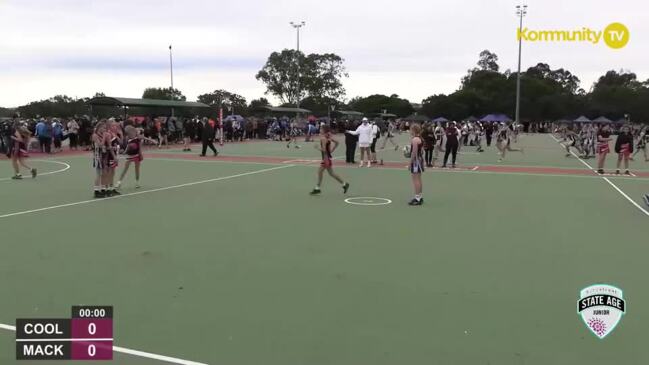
369,201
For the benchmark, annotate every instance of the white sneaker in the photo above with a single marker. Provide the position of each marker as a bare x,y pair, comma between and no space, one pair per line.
369,164
137,185
118,185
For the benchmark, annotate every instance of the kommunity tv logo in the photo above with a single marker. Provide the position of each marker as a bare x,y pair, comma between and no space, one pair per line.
615,35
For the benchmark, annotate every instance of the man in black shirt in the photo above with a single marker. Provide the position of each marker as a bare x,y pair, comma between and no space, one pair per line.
207,137
7,129
489,130
350,143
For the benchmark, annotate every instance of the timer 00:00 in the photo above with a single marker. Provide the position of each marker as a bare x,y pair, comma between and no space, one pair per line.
94,313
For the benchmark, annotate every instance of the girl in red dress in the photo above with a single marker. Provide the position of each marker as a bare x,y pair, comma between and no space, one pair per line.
603,137
326,149
19,151
133,153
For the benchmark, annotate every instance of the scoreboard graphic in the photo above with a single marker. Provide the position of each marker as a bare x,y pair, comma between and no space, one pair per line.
87,335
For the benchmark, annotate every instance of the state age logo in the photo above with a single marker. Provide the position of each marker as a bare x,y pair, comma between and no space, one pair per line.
601,307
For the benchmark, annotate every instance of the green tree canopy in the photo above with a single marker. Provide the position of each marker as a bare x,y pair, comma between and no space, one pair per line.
163,94
320,76
226,100
377,103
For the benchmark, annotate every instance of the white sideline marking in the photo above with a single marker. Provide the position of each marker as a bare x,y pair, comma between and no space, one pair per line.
123,350
144,191
300,161
437,169
65,168
7,327
643,210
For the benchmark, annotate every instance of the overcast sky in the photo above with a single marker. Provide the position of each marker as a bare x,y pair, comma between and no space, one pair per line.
413,48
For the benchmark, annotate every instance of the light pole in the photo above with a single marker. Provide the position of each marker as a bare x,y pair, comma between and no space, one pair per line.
521,11
297,27
171,70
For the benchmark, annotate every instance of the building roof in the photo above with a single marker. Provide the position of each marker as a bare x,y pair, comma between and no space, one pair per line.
115,101
349,112
287,110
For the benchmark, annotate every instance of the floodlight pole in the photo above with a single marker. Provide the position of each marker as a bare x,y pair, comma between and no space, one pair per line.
171,70
521,11
297,27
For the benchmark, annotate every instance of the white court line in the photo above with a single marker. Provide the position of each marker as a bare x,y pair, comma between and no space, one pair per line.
643,210
149,158
300,161
123,350
144,192
437,169
65,168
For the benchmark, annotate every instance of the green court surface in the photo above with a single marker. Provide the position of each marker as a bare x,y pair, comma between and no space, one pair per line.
226,261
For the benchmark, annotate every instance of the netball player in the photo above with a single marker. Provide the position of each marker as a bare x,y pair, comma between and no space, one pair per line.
643,139
416,164
572,140
114,136
439,144
603,137
503,142
390,136
624,148
133,154
326,149
591,138
99,150
428,136
293,134
479,132
18,152
376,134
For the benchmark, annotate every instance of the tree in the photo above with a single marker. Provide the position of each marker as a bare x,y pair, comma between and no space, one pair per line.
320,106
488,61
375,104
618,93
163,94
320,76
258,103
226,100
56,106
258,106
